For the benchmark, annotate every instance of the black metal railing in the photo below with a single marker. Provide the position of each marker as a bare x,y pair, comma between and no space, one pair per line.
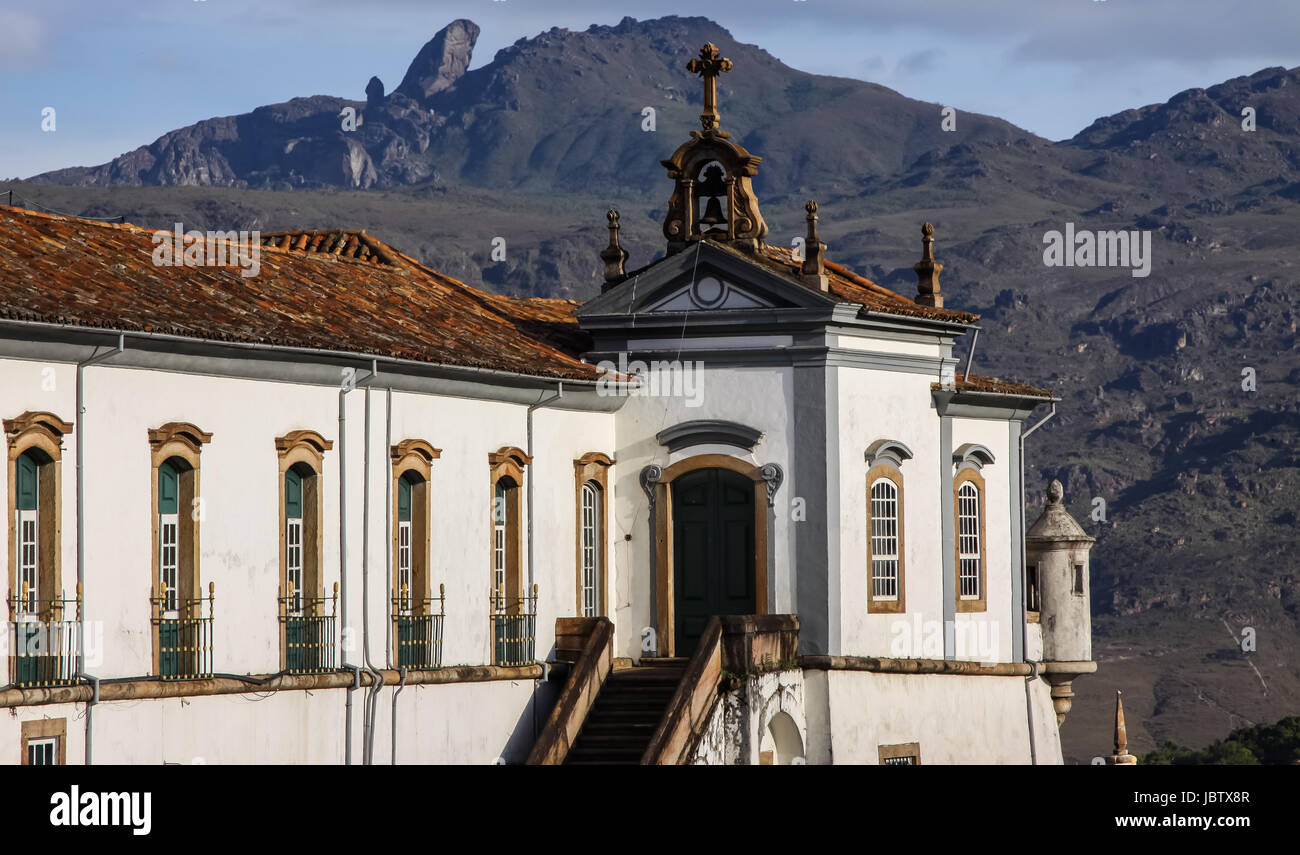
309,632
44,639
514,629
418,629
184,635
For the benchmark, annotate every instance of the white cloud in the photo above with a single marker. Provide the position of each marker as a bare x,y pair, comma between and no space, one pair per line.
24,41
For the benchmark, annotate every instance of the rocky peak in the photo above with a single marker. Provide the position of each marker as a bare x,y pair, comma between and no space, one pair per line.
441,61
374,92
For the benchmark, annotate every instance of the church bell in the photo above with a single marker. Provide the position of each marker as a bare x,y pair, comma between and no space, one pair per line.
712,213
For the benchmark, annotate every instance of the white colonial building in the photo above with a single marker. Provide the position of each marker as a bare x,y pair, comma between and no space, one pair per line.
348,509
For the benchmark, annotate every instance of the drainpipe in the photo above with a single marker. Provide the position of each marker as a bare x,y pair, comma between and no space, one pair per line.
1024,616
377,684
343,570
80,430
970,354
388,534
400,686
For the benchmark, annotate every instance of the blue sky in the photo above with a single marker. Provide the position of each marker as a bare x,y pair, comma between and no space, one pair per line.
120,74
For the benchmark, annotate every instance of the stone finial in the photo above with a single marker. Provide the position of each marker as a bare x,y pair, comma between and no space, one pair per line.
813,269
709,65
1121,757
927,272
1054,524
613,255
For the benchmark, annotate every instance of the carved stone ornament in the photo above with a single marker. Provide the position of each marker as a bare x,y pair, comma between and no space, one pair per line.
650,476
774,476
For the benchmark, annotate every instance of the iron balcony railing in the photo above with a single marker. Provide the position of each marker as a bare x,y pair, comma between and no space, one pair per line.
309,633
514,629
44,639
418,629
184,635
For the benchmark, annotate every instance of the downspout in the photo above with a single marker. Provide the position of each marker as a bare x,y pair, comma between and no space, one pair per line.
1024,615
80,430
343,571
388,547
400,686
970,354
377,684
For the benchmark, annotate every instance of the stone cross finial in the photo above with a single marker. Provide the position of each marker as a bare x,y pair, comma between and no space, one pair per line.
613,255
813,269
927,272
709,65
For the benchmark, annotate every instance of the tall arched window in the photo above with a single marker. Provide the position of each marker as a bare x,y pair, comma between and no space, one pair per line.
293,536
591,559
182,640
970,542
404,578
42,643
307,642
886,580
513,610
969,490
169,537
885,553
591,479
28,528
417,614
502,495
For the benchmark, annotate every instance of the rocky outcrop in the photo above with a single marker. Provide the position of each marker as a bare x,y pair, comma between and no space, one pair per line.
441,62
374,92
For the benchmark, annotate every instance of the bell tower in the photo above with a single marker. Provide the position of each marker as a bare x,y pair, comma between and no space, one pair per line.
713,198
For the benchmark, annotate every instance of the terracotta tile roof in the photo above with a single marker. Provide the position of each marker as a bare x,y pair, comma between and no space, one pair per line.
976,383
849,287
355,245
331,290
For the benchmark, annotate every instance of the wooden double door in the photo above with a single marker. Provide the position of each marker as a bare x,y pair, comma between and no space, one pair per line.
713,551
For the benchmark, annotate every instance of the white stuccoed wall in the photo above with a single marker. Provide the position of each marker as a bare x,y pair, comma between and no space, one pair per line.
888,405
955,719
239,540
999,621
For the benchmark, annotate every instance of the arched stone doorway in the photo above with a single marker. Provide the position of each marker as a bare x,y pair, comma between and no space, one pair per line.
715,523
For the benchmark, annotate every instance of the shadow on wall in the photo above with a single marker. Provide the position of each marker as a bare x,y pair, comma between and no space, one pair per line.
532,719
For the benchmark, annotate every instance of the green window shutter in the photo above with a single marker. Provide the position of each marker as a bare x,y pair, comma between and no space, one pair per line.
403,500
28,483
293,495
168,489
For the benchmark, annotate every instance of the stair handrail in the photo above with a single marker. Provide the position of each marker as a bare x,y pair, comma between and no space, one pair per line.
692,704
579,694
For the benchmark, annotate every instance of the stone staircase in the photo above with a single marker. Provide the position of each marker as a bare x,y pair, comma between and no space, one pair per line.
626,713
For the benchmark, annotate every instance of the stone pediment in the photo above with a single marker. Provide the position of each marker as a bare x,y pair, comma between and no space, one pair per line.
705,278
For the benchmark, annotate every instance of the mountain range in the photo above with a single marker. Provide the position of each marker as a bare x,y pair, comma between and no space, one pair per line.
1180,409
